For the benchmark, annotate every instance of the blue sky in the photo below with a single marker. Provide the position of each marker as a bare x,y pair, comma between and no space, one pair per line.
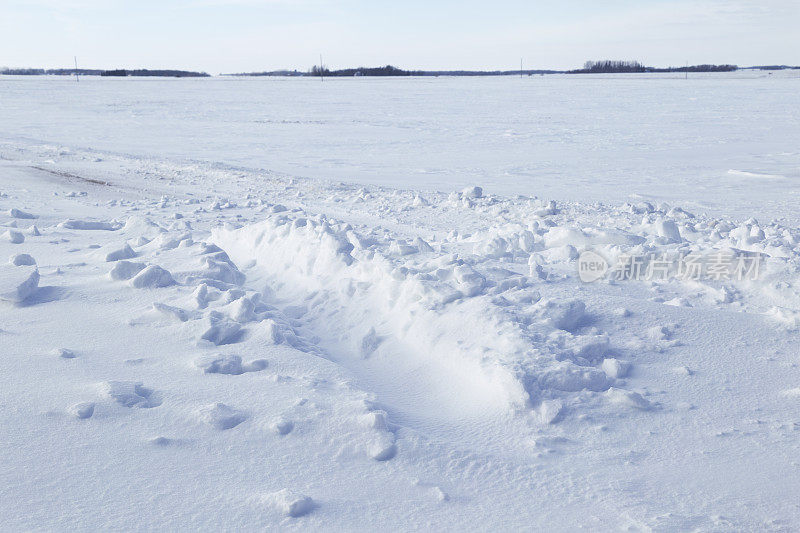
244,35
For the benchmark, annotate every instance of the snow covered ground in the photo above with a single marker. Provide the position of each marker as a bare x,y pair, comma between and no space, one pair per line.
198,331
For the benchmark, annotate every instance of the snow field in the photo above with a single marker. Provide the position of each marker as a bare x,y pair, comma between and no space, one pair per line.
314,353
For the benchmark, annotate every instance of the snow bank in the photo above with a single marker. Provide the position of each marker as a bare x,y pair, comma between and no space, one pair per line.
428,313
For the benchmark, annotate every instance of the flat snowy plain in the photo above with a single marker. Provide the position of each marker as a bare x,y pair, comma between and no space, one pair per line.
278,303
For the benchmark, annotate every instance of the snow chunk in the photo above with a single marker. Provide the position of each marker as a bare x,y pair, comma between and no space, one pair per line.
152,277
63,353
17,283
547,210
22,260
628,399
124,270
787,318
282,426
131,394
470,283
229,364
549,411
221,417
171,311
568,315
93,225
222,268
402,248
82,410
570,377
472,192
374,420
17,213
241,310
614,368
668,229
382,448
126,252
221,330
291,503
14,237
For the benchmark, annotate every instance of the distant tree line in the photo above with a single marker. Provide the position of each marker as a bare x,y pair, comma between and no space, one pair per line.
609,66
99,72
52,71
390,70
615,67
697,68
605,66
771,67
146,72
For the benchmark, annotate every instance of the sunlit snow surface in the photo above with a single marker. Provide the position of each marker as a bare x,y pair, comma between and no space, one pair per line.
279,303
709,142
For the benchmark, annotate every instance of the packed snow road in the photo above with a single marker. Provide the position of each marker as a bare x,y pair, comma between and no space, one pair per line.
189,346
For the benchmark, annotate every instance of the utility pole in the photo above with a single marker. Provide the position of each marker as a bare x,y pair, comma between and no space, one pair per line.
321,69
687,71
520,67
77,79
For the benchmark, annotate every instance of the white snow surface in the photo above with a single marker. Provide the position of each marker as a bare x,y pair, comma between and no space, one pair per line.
190,341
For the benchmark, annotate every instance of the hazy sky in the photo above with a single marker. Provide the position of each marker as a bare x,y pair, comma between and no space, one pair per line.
245,35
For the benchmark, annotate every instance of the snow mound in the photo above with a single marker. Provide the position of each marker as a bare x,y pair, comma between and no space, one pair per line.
17,283
367,299
89,225
22,260
125,270
131,394
221,329
290,503
614,368
229,364
152,277
14,237
627,398
126,252
63,353
18,213
221,417
282,426
82,410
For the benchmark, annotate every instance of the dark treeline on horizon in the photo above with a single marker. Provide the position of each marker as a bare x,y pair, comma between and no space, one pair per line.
617,67
390,70
590,67
101,72
146,72
52,71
